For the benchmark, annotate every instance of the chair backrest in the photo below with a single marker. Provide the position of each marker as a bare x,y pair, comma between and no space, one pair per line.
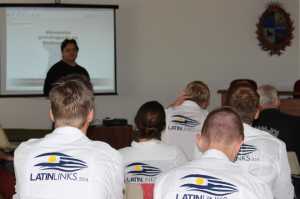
139,191
296,91
4,143
243,81
294,163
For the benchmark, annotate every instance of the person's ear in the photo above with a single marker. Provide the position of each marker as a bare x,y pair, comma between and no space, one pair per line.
277,102
205,104
90,116
51,115
201,142
238,146
256,114
236,149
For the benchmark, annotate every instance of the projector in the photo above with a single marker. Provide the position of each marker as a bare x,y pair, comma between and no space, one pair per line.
114,122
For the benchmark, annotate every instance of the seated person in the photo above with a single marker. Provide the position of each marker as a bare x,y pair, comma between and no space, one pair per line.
262,154
185,117
214,174
271,119
147,156
66,163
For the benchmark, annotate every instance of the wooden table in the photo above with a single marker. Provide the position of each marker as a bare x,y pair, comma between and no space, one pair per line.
117,136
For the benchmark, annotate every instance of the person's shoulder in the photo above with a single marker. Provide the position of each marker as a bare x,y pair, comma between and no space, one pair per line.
172,174
79,67
58,65
188,107
265,141
102,146
251,131
27,145
169,148
126,150
105,150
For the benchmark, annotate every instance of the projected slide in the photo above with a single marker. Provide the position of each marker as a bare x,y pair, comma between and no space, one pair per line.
33,38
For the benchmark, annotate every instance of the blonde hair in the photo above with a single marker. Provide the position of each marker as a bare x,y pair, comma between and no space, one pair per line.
71,101
198,92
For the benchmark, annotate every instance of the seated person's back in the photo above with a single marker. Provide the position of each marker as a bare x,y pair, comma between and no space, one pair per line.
184,122
148,156
261,154
65,163
271,119
214,175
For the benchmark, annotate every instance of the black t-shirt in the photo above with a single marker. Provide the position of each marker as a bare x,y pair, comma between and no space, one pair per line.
61,69
285,127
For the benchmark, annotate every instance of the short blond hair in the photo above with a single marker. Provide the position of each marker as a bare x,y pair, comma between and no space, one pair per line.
198,91
71,101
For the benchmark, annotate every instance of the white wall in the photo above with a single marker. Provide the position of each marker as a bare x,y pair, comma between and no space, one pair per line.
162,45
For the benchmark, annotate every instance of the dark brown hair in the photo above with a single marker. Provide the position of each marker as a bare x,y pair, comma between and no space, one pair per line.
68,41
245,100
150,121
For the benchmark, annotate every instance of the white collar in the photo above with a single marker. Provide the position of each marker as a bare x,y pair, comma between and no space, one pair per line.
190,103
68,133
216,154
148,143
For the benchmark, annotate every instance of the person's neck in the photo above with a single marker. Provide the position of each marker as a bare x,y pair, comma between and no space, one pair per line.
144,140
226,150
268,106
84,128
71,63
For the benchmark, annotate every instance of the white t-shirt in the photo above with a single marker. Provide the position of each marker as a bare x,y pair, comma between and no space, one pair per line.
144,161
265,156
183,123
212,176
66,164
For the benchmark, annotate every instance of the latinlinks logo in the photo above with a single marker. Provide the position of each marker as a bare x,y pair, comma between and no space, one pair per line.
247,153
246,149
181,122
57,166
205,187
141,172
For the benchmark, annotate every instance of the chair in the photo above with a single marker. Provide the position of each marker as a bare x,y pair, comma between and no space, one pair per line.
139,191
7,189
296,91
243,81
294,163
235,83
4,143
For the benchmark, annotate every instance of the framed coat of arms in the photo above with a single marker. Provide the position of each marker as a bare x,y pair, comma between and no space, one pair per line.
275,29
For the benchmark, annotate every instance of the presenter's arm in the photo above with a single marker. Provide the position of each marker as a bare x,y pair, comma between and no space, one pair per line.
47,83
86,73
